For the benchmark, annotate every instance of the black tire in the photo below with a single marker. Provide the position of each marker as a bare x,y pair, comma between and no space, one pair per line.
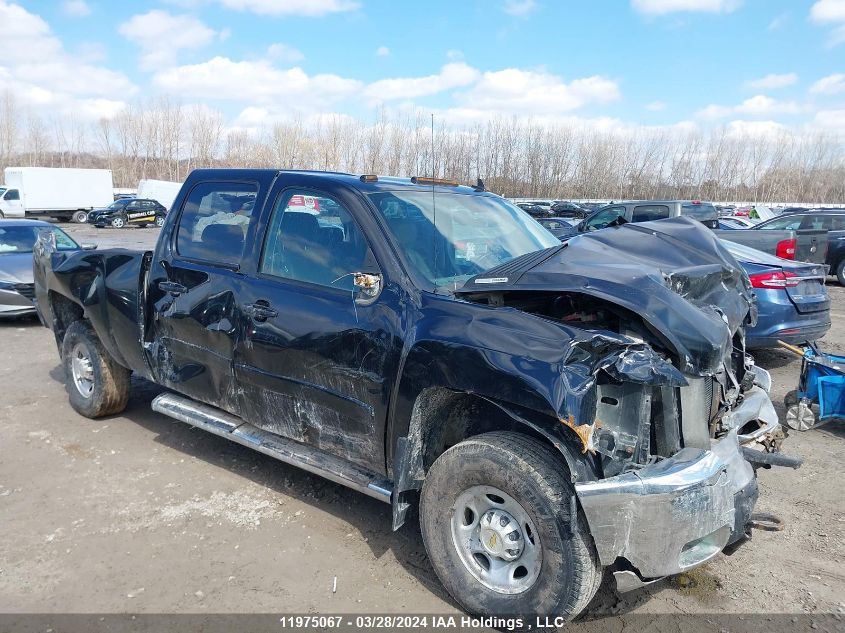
840,273
533,475
110,381
791,398
118,222
159,221
80,217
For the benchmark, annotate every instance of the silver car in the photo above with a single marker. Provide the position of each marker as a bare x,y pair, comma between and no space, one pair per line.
17,286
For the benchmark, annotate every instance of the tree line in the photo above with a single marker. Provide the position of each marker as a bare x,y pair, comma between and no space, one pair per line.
515,157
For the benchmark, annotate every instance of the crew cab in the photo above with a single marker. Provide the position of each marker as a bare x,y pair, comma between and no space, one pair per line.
555,409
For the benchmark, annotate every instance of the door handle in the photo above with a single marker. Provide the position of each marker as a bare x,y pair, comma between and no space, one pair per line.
260,311
172,287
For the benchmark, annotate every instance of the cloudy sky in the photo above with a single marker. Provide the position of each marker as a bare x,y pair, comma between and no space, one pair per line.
755,64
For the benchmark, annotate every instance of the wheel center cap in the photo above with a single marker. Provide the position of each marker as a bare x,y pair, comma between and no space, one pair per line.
500,535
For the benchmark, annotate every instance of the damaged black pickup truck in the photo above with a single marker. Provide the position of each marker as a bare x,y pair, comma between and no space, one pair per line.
555,409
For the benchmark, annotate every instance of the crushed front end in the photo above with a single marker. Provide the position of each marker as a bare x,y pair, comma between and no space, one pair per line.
673,413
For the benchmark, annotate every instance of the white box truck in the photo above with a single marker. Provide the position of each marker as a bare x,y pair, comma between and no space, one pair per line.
162,191
61,193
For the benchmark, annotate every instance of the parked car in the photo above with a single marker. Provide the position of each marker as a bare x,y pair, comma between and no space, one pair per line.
792,301
465,362
735,222
563,209
127,212
558,227
534,209
17,238
647,210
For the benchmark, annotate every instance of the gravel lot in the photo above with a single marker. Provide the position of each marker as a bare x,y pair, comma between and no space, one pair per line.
138,513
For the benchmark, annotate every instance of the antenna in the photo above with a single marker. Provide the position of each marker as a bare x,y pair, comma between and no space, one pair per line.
433,208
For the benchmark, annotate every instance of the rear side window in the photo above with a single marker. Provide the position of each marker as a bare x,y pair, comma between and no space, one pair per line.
700,212
648,212
830,222
214,221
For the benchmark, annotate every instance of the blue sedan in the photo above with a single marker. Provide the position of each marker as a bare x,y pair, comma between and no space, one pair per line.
792,301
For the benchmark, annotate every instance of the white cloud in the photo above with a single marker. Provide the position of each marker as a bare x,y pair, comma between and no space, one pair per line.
744,129
830,120
519,8
758,105
527,92
382,51
655,106
662,7
258,82
76,8
284,53
453,75
39,72
773,81
830,85
830,12
455,54
307,8
162,35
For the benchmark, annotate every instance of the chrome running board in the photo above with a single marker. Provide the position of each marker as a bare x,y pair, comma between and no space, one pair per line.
313,460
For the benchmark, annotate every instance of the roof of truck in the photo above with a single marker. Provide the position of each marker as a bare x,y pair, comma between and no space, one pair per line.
381,183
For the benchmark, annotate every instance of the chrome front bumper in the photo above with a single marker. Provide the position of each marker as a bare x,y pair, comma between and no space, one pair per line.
672,516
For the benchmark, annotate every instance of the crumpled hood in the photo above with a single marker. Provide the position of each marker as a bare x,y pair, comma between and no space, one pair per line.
674,273
16,267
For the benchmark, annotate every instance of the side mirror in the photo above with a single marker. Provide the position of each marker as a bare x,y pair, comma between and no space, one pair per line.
367,286
89,247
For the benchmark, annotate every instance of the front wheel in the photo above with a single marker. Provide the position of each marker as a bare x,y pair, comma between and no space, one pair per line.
95,383
498,525
80,217
159,221
118,222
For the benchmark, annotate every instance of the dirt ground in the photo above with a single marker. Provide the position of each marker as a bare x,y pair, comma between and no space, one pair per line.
139,513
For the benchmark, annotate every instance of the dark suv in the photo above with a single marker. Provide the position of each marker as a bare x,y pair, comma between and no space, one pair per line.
126,211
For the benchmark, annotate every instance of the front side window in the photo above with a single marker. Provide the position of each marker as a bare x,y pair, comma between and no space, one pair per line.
604,217
313,238
12,194
449,237
648,212
214,221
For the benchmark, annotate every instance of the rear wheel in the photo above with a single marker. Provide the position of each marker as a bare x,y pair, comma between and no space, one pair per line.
840,273
80,217
95,383
118,222
497,522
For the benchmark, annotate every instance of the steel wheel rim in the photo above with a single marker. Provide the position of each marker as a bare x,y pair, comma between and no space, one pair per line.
117,223
159,222
800,417
82,369
487,550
